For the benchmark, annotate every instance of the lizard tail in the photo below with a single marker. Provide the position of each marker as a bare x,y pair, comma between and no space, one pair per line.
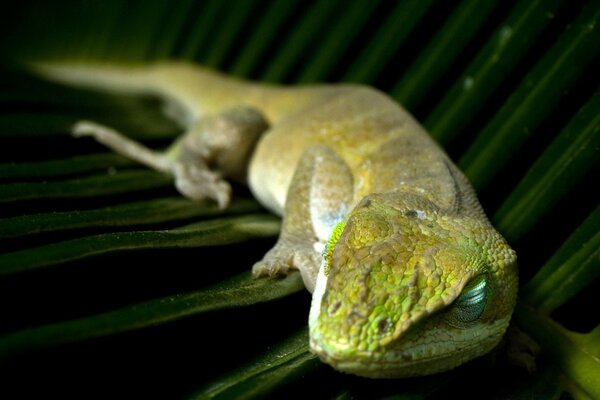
190,89
115,78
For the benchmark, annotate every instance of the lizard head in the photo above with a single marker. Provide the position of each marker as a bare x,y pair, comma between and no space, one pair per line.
407,289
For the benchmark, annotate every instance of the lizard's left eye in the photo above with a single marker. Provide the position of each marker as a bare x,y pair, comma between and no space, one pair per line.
470,304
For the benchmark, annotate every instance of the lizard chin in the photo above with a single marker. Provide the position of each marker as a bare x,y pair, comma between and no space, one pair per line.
370,368
412,359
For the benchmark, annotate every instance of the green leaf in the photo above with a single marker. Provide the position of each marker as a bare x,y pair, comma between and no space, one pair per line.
77,165
175,19
564,162
264,33
307,30
226,32
207,233
572,267
97,185
127,214
137,47
534,100
199,34
240,291
392,33
23,125
441,52
577,354
283,363
494,62
347,26
57,125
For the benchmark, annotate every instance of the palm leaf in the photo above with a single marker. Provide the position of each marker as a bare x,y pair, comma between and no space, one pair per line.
102,262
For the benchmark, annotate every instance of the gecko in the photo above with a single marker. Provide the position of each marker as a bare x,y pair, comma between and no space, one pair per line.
408,276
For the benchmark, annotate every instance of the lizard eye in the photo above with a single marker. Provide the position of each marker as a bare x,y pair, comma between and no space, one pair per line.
470,304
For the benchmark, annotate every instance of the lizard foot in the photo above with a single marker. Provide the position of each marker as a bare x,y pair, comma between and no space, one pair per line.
286,257
198,183
521,350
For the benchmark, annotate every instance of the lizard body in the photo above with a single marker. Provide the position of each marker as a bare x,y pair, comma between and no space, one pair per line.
407,274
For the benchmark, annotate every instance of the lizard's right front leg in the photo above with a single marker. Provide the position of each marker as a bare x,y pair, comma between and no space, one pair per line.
320,195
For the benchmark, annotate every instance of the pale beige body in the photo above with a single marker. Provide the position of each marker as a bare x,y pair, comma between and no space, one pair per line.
371,131
335,155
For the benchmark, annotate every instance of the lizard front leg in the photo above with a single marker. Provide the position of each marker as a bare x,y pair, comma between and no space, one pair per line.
320,195
214,147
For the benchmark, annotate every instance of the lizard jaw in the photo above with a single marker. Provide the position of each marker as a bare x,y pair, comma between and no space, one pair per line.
421,358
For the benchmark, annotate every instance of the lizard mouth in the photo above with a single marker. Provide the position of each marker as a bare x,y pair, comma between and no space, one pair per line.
400,362
395,364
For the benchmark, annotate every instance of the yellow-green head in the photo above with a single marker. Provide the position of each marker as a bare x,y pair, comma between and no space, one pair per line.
409,289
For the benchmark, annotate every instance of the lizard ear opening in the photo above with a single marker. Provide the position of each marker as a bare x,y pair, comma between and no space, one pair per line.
469,306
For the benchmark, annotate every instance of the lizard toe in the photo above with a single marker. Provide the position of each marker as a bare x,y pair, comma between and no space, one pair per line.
286,257
273,264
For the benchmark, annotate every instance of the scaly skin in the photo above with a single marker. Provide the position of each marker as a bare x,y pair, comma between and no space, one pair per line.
386,307
413,278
